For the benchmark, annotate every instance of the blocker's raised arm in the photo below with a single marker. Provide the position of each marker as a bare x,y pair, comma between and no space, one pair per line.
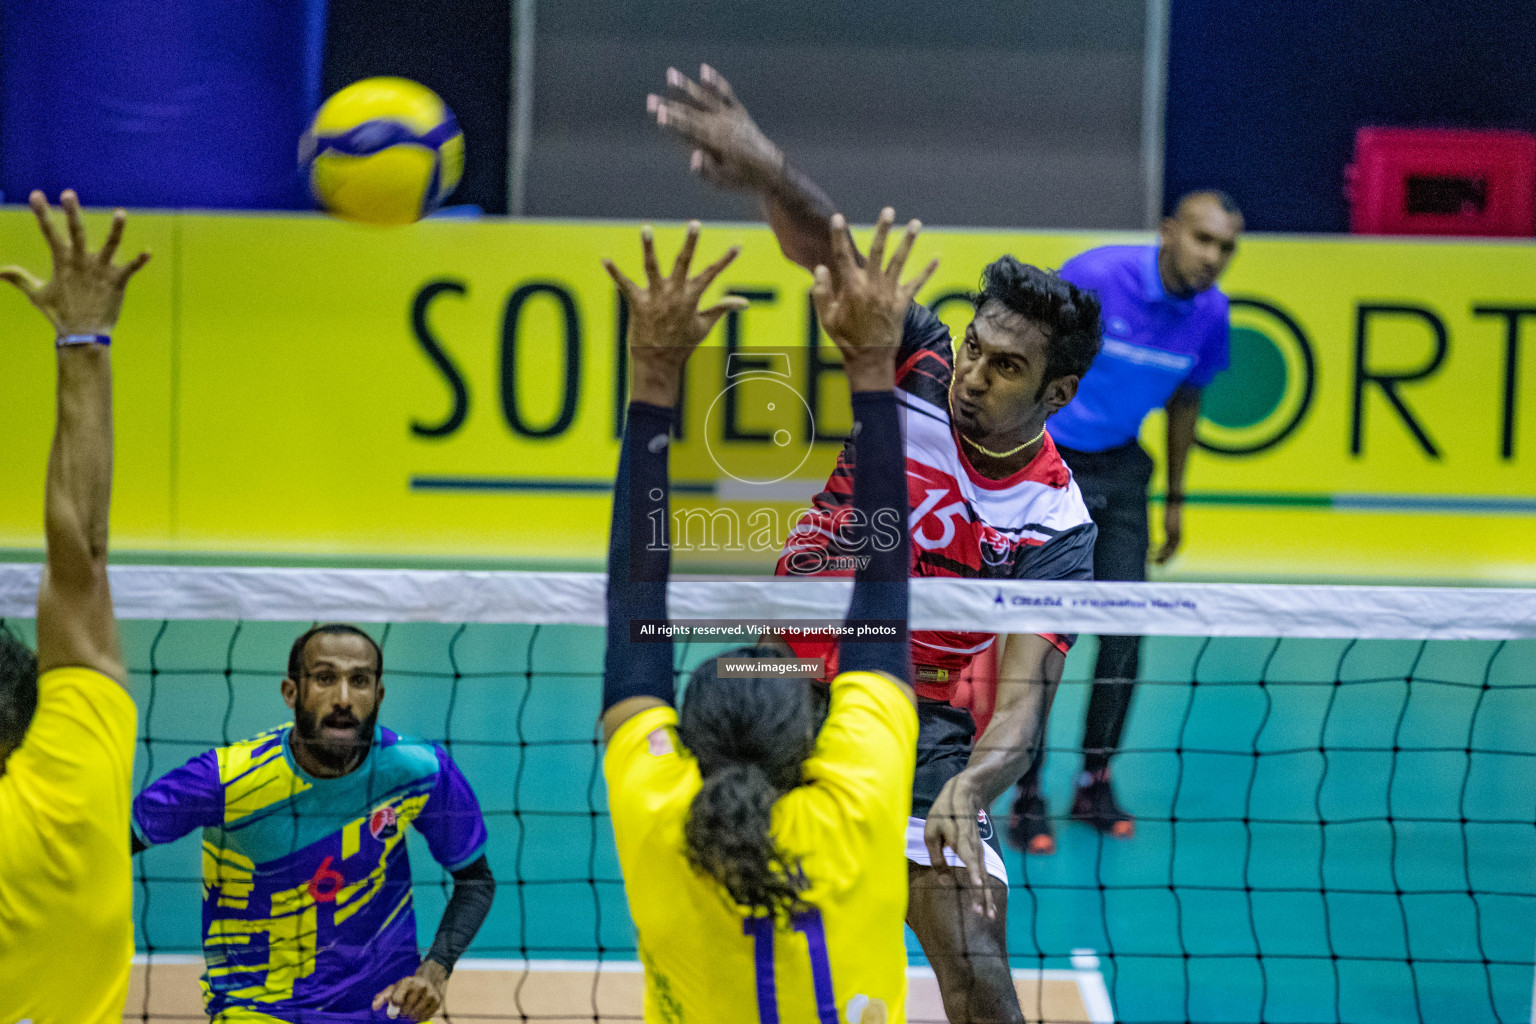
665,326
863,308
82,301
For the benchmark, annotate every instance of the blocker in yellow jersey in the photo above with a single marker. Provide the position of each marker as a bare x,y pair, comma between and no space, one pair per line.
765,860
66,896
847,824
66,723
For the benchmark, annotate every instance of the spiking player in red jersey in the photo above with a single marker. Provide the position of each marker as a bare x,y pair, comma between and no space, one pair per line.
989,497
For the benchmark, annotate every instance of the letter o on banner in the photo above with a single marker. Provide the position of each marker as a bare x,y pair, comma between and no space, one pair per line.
509,352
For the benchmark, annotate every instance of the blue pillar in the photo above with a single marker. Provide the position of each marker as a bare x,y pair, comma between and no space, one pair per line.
159,103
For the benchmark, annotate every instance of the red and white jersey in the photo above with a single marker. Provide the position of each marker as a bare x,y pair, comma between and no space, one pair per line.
1031,525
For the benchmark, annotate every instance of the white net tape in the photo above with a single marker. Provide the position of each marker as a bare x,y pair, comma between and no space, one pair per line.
1013,606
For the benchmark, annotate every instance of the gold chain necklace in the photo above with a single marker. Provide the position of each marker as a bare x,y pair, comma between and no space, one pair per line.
988,451
1002,455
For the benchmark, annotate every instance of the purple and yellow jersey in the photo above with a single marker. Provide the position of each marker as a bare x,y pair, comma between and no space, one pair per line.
306,882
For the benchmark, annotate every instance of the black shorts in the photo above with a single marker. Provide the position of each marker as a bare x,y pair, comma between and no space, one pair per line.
944,737
1114,487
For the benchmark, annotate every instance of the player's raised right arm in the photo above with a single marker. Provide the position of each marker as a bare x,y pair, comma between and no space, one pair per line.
75,626
729,150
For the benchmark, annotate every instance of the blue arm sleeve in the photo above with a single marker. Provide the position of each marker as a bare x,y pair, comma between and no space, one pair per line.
639,560
880,499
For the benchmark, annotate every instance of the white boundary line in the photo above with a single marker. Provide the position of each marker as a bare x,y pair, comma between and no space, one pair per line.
167,959
1533,1003
1084,973
1090,983
1007,606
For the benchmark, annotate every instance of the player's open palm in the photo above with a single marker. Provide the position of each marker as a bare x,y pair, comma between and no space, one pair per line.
85,293
728,148
863,307
665,321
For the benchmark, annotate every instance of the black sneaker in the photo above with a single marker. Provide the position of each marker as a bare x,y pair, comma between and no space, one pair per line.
1029,826
1094,803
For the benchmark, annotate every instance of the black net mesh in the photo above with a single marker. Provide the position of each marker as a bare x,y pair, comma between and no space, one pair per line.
1326,830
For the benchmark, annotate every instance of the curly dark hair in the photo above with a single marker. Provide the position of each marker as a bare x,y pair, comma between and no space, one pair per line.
18,688
1068,315
750,736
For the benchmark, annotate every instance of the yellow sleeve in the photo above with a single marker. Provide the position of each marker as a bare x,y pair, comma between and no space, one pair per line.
867,748
646,769
74,767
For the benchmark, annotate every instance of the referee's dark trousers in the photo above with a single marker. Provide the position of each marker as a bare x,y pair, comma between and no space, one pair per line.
1114,485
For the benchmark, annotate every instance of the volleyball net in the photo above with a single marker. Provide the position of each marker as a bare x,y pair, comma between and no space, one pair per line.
1334,787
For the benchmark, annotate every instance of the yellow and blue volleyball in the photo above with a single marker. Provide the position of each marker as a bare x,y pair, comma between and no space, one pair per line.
382,151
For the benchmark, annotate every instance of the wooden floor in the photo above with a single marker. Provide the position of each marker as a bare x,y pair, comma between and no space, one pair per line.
575,992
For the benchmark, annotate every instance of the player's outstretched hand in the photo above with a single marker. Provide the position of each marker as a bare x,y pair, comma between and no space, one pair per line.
665,321
952,823
85,294
862,307
417,997
728,148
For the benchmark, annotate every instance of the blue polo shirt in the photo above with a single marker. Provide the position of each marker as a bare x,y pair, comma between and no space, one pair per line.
1153,344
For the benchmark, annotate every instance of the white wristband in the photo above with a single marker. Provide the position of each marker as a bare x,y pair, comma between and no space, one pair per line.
84,339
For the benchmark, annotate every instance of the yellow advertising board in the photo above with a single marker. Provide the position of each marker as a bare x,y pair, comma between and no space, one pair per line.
296,388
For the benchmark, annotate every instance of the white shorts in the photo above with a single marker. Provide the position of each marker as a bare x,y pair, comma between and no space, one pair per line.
917,850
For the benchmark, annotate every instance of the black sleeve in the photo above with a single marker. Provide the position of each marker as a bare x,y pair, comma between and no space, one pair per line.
921,331
639,560
1066,556
926,359
880,503
473,890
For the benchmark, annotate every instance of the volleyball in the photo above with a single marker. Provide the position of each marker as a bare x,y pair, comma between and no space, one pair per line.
382,151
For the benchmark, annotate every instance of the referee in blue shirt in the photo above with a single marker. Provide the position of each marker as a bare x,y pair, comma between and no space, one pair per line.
1165,338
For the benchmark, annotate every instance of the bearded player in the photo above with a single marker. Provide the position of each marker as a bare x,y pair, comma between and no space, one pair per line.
307,908
989,497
